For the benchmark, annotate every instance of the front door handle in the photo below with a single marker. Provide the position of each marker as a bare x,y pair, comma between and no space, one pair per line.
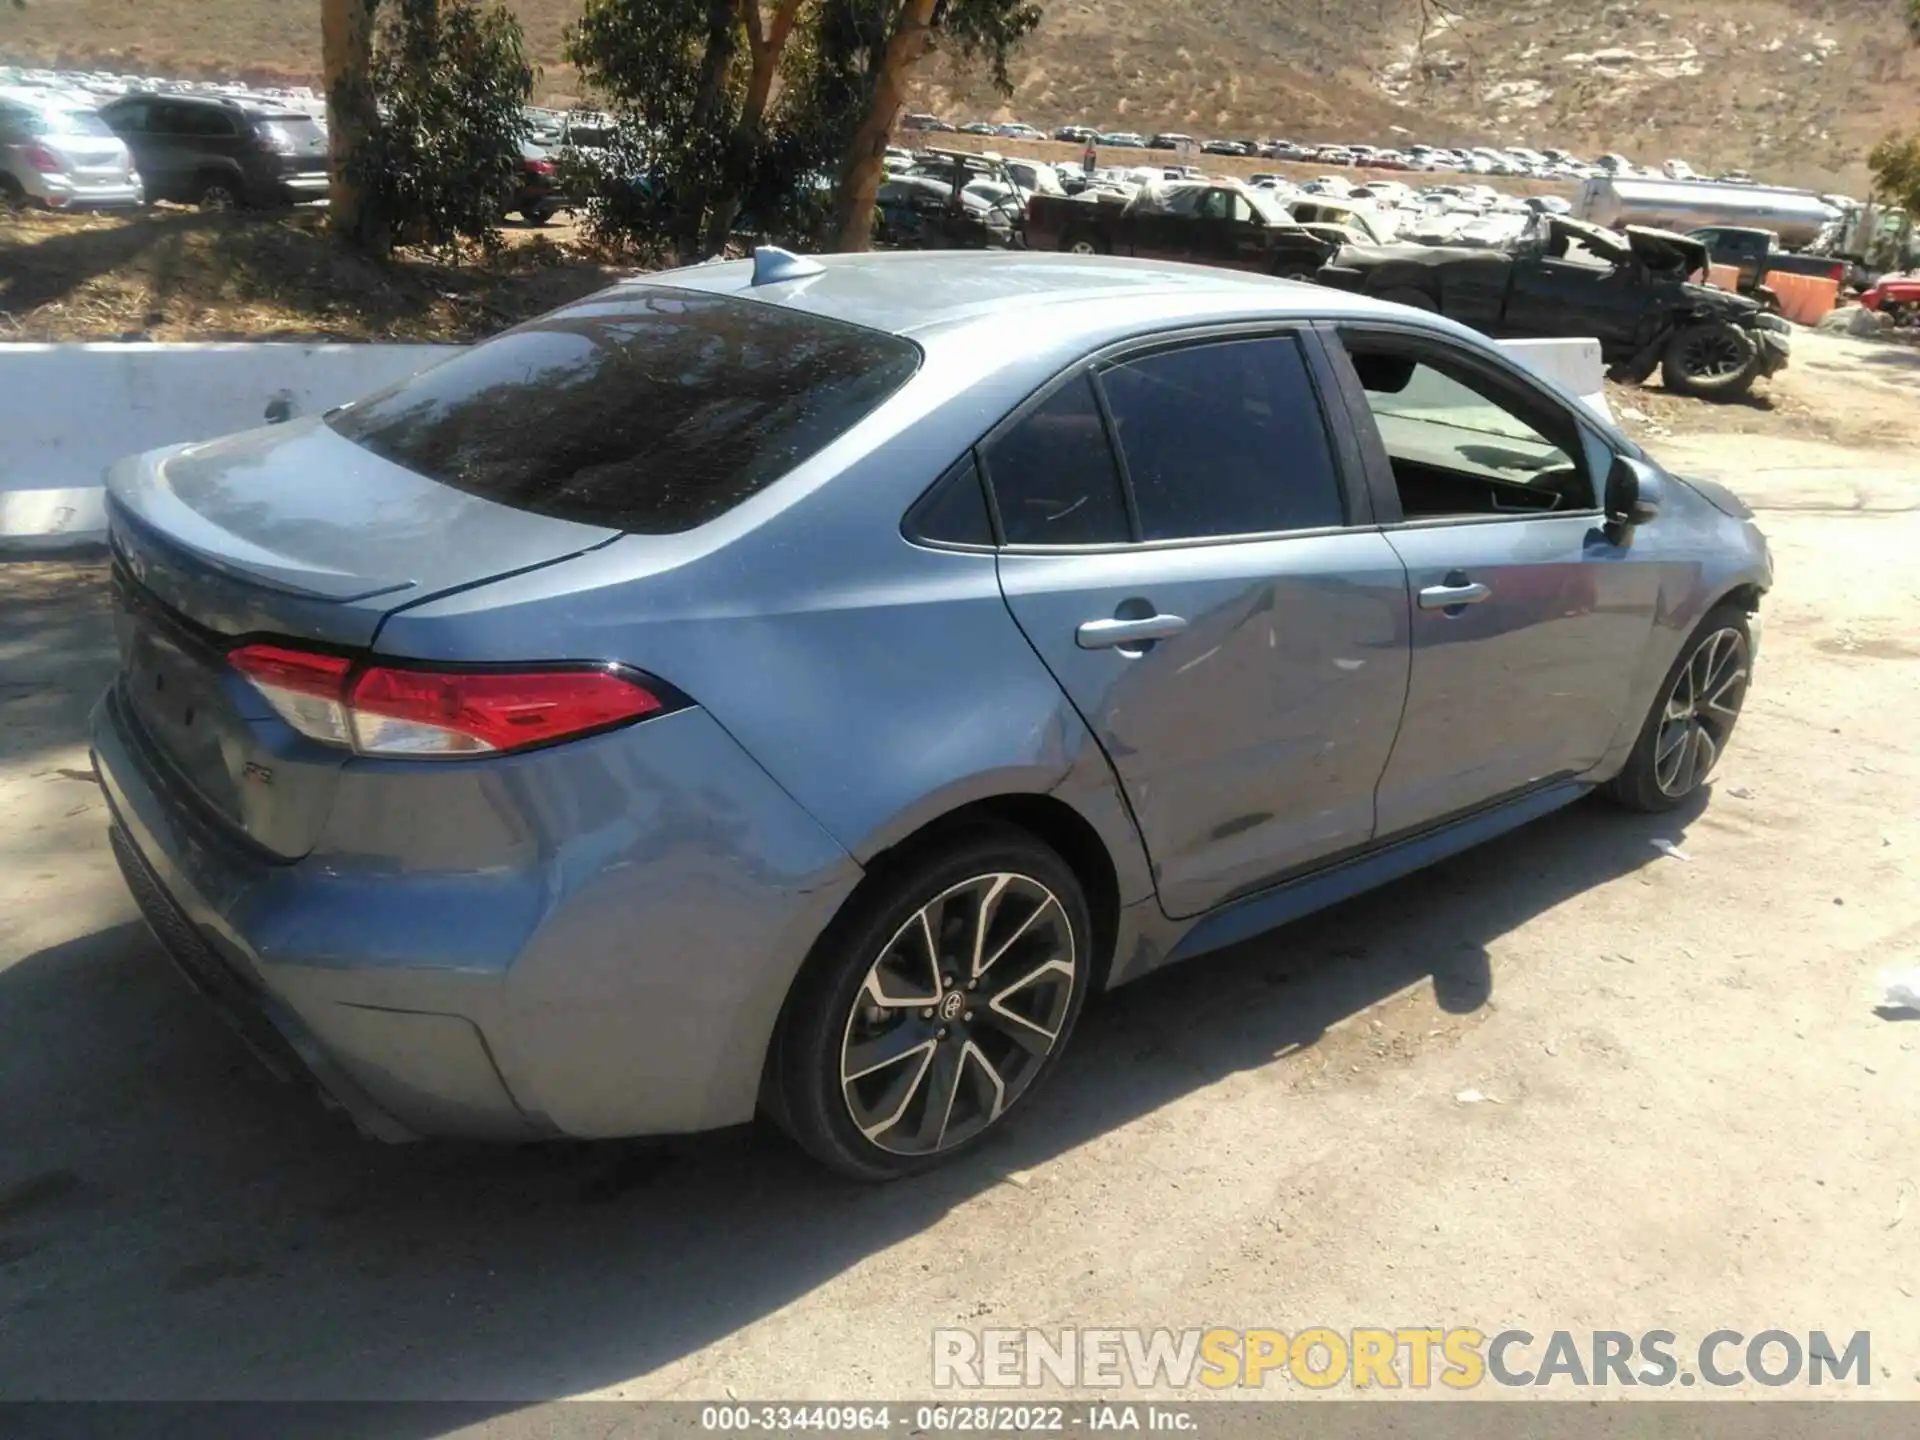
1106,634
1445,597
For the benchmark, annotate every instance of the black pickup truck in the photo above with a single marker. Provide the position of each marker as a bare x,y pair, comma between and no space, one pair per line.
1204,221
1565,277
1757,255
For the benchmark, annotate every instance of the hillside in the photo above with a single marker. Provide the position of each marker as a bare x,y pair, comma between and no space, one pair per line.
1796,89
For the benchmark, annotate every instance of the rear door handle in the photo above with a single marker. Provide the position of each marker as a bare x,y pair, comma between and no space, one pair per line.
1445,597
1106,634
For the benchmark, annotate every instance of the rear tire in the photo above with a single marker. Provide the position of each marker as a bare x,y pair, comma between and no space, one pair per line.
12,196
1712,360
1692,718
1412,298
1081,245
217,194
877,1085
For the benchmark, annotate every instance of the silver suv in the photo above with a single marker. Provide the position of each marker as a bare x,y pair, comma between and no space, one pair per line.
60,154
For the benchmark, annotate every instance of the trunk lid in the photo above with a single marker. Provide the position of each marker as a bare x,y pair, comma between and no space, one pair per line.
90,156
294,533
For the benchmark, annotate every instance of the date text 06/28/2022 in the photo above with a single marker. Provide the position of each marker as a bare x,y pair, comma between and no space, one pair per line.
958,1418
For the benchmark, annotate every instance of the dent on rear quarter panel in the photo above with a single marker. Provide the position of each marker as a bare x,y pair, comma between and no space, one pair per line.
640,902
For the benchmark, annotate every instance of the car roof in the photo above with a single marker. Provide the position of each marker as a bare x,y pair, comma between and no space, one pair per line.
921,293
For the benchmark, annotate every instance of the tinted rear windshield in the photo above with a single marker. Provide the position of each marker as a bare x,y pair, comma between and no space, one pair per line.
651,409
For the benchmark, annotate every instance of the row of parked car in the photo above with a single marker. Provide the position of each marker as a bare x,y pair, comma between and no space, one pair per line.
1512,161
218,151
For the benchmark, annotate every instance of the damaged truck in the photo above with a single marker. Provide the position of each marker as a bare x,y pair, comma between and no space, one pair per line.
1208,222
1564,277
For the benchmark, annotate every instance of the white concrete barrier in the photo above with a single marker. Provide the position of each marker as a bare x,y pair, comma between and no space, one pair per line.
1575,365
67,412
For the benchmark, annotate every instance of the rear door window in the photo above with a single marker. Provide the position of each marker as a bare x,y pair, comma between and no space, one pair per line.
132,117
1052,473
647,409
1224,439
205,120
171,118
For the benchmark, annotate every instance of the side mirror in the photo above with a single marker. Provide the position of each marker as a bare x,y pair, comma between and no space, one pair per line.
1633,492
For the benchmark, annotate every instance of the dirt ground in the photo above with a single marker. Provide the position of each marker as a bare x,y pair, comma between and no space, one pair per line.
1694,1118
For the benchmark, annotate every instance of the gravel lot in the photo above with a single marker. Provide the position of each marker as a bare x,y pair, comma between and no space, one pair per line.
1694,1117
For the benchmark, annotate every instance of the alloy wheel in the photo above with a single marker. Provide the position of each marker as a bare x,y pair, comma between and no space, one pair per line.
957,1014
217,197
1712,355
1700,712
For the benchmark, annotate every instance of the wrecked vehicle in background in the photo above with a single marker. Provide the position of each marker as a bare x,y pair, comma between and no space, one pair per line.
1897,297
1205,221
950,200
1564,277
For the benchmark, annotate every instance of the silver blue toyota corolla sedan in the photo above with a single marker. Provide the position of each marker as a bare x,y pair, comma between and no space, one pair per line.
794,686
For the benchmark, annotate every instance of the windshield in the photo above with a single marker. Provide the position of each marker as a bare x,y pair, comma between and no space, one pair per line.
646,408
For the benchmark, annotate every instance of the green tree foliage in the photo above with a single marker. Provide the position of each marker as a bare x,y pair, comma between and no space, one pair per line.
691,84
747,111
984,30
450,78
1895,163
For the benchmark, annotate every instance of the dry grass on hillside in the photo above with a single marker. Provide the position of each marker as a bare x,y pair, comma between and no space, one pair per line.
1798,89
179,275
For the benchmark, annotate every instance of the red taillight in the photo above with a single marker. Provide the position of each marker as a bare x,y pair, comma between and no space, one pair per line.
384,710
541,167
307,690
435,712
43,159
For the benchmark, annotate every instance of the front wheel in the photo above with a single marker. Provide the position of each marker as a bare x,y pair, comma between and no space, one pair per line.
1081,245
1711,359
1691,722
934,1005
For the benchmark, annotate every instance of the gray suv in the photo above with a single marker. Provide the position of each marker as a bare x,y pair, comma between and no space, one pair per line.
796,687
221,154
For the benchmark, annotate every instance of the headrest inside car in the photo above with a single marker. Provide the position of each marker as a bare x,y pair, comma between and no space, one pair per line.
1383,374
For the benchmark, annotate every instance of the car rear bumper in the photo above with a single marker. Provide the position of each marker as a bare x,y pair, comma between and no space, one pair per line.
302,188
68,192
573,942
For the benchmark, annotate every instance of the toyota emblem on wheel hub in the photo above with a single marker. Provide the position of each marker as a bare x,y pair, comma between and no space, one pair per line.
952,1005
